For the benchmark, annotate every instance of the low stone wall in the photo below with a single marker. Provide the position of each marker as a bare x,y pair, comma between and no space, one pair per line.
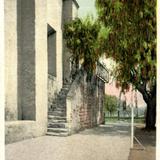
20,130
84,104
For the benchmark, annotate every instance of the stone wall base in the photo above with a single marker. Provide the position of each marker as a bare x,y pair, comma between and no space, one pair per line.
20,130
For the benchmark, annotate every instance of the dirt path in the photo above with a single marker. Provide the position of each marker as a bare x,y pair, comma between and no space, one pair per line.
108,142
148,139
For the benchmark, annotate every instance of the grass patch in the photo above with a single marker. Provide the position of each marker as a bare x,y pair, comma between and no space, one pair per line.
125,119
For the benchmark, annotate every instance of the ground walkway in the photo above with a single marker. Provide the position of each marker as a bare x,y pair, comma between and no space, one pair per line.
107,142
148,140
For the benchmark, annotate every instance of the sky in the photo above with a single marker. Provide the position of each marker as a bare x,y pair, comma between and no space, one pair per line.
110,89
88,7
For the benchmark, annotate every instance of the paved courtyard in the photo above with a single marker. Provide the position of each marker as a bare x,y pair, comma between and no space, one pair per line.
107,142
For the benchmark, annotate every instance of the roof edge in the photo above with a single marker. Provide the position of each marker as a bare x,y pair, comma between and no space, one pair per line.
76,3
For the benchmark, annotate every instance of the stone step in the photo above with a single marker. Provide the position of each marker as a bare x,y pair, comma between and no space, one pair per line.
57,130
58,114
54,102
57,125
51,112
62,93
66,86
59,108
57,111
64,90
56,117
61,103
57,121
61,99
58,134
53,106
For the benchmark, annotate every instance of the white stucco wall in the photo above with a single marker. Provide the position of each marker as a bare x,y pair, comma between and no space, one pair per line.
70,12
10,59
54,19
46,12
74,10
18,130
41,61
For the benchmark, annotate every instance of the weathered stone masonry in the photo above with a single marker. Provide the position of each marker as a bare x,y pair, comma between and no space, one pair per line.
84,103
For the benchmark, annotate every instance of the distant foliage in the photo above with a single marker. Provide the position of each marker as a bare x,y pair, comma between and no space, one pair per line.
111,104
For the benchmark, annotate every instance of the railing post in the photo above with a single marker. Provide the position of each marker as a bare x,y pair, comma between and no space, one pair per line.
132,119
132,126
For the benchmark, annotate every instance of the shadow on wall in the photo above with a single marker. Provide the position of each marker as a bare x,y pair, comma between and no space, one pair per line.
26,59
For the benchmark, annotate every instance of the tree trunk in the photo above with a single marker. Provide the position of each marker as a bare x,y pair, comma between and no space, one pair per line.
150,100
119,103
151,114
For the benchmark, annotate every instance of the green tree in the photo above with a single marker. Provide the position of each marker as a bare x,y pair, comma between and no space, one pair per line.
111,104
132,44
83,41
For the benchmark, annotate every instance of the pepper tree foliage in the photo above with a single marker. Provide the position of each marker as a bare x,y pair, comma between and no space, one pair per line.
83,39
132,44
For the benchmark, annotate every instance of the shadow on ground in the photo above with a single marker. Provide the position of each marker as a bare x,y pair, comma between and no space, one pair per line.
149,139
108,130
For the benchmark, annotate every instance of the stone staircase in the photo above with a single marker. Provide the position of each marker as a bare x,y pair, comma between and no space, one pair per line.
57,120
